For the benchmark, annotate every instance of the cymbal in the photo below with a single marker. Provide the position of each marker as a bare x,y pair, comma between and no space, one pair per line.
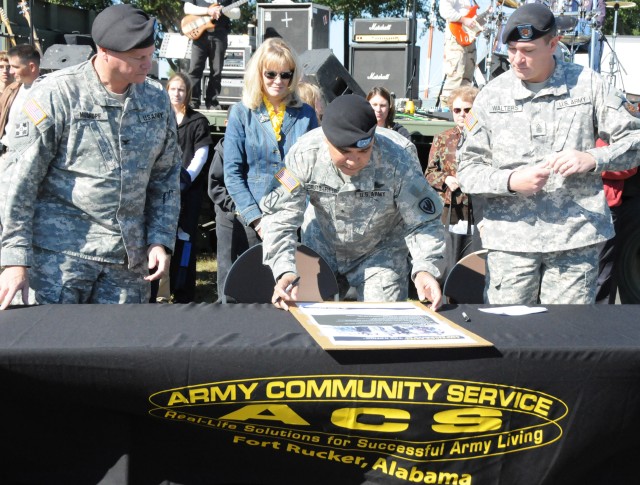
620,4
570,39
509,3
564,23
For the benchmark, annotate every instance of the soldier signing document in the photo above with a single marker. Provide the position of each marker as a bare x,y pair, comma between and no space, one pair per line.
363,204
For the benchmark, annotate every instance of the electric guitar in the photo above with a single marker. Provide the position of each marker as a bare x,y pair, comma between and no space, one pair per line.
5,21
24,10
193,26
465,35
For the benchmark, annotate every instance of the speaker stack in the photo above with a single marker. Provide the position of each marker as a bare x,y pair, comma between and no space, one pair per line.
304,25
383,53
236,59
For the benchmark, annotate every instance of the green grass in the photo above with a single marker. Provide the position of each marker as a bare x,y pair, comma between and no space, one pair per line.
206,273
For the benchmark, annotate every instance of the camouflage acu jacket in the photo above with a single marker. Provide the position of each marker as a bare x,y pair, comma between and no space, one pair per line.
92,177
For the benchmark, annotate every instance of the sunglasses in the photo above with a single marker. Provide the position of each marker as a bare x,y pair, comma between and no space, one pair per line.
285,76
458,110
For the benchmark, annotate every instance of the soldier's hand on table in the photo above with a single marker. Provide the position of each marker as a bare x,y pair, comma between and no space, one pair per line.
158,260
428,289
568,162
280,293
529,180
12,280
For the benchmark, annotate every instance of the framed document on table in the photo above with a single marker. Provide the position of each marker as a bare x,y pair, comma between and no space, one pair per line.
393,325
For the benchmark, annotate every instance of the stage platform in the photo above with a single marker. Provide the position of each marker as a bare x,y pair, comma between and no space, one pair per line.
422,128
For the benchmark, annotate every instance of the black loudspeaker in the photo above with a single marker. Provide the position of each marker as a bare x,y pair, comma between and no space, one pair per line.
59,56
499,65
80,39
387,65
304,25
323,69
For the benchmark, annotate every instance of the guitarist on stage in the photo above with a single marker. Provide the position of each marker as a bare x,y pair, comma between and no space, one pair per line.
211,45
459,60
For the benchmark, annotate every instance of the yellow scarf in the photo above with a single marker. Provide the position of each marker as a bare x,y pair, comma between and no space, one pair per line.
276,118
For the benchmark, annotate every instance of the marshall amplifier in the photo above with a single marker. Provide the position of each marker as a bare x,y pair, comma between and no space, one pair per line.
383,30
231,90
388,65
236,59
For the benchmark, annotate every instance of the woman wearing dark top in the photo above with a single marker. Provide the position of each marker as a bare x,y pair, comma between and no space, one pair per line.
195,141
380,100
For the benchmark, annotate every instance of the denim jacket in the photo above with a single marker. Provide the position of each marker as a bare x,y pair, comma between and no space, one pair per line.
252,156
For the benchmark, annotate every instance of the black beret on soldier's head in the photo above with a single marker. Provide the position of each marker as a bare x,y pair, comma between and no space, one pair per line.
123,27
349,122
529,22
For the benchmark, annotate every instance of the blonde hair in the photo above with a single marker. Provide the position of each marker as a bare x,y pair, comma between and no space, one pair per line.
272,51
311,94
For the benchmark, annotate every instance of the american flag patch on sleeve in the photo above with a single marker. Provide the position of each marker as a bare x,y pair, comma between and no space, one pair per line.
287,180
34,112
470,120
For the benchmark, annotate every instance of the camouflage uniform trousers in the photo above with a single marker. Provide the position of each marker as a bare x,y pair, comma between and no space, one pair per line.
378,276
562,277
459,66
61,278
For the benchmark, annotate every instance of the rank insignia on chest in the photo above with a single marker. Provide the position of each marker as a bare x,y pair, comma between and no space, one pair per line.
34,112
287,180
22,130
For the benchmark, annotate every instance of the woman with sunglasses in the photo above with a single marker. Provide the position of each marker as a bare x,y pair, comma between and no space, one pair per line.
442,168
263,127
382,103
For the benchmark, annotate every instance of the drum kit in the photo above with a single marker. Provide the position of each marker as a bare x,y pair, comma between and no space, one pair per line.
576,29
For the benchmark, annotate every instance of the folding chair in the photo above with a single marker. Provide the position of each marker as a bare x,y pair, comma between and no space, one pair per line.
465,282
250,281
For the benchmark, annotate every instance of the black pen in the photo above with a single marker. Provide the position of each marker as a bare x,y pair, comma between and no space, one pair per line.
466,317
289,287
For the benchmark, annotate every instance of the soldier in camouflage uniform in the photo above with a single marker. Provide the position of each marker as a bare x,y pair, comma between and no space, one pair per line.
530,148
94,196
371,203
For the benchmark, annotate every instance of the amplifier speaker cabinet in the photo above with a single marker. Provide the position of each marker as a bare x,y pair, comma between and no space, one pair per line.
304,25
324,70
386,65
230,91
383,30
235,60
59,56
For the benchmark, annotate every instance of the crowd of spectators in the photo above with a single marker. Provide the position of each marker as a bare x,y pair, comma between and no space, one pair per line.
104,176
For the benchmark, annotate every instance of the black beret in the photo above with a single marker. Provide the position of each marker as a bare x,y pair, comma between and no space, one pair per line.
349,122
123,27
527,23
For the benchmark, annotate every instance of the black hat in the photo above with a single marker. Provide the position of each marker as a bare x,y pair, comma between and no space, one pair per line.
349,122
527,23
123,27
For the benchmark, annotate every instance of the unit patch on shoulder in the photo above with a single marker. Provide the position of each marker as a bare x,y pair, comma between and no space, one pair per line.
287,180
427,206
35,113
22,130
470,120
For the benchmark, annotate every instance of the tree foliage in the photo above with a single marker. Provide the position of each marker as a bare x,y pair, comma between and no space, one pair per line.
170,12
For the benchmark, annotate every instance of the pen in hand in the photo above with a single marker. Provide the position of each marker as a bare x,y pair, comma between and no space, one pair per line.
289,287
